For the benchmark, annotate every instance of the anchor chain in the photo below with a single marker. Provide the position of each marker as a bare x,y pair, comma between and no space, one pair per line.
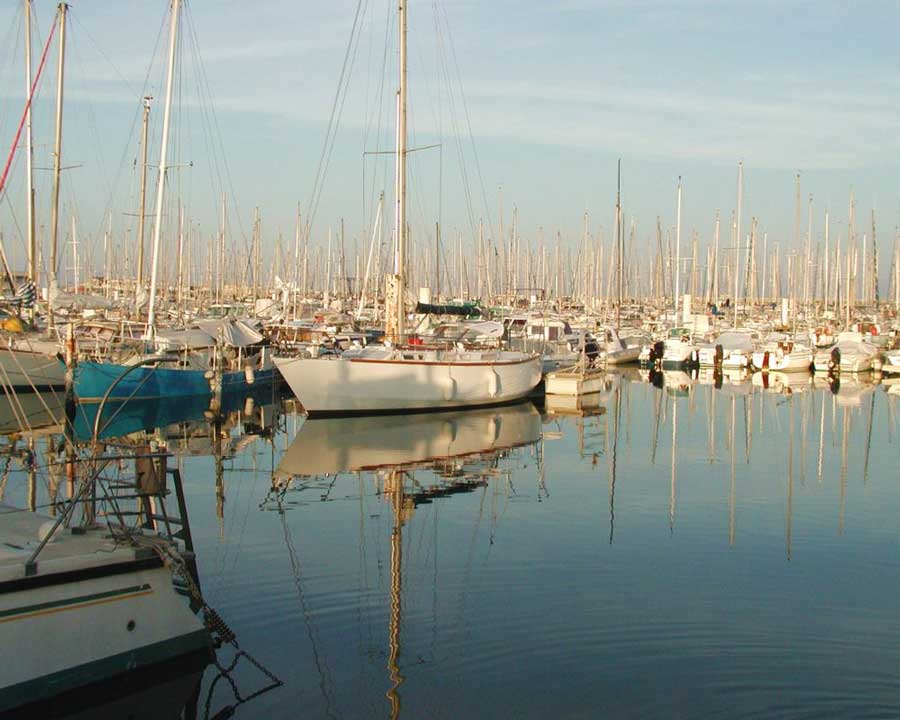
219,630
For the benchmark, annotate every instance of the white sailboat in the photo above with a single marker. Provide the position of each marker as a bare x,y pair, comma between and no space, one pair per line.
392,377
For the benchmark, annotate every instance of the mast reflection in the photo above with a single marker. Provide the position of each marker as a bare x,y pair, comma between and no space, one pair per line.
461,449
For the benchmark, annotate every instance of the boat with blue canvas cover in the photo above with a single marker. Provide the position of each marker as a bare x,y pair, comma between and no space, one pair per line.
208,359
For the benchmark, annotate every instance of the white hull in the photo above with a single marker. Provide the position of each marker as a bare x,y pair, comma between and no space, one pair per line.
25,369
851,362
625,355
678,354
575,382
798,361
735,360
77,627
370,384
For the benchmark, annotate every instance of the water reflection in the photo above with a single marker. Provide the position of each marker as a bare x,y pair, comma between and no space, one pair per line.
460,452
391,566
336,445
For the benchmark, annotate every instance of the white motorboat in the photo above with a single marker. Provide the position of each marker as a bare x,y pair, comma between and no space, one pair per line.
781,353
680,349
389,379
619,350
850,354
731,349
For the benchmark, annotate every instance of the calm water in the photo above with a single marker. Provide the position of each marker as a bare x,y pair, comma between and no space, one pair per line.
677,551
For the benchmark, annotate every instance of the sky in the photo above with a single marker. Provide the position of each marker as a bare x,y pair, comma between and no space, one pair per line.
554,94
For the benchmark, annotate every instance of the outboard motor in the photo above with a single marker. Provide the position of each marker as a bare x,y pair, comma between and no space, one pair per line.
657,350
591,351
720,356
834,364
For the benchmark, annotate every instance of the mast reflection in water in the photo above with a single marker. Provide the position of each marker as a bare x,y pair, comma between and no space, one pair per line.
460,450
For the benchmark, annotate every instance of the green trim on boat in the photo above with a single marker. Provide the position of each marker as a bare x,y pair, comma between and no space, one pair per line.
45,687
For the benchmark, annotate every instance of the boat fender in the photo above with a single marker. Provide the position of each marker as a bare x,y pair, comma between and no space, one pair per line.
695,358
209,375
720,355
765,360
249,405
493,383
249,375
449,388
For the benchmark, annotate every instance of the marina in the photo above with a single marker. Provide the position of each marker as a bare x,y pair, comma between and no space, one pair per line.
406,449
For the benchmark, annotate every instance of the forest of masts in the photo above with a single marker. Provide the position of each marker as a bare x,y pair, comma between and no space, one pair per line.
831,271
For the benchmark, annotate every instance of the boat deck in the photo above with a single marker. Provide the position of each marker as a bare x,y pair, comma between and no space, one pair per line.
21,532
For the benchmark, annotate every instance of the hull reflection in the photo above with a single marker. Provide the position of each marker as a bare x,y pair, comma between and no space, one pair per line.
335,445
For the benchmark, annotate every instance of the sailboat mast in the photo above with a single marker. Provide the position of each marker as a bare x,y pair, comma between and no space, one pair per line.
398,320
620,243
142,212
738,239
57,155
677,250
29,152
163,158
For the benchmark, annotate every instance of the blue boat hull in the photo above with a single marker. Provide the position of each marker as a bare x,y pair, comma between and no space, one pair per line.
93,380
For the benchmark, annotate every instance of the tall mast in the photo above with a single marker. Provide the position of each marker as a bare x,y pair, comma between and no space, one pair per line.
876,295
163,166
142,212
677,249
57,155
29,152
396,329
738,238
825,287
620,243
715,263
220,255
256,253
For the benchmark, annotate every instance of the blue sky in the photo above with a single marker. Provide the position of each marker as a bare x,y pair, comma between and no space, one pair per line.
556,91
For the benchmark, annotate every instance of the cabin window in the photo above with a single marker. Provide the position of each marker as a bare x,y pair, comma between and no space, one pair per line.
553,333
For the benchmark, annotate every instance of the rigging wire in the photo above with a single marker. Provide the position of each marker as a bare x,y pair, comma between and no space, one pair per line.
335,116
